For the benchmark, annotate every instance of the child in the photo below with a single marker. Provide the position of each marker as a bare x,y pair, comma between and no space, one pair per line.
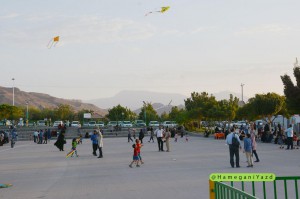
248,150
135,158
186,137
295,139
176,137
139,146
74,145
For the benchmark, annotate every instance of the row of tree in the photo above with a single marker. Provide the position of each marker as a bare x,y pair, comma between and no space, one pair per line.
198,107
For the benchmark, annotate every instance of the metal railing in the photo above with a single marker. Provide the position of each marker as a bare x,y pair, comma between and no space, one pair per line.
225,191
220,190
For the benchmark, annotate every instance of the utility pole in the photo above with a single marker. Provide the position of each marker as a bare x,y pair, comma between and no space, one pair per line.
145,105
13,91
242,85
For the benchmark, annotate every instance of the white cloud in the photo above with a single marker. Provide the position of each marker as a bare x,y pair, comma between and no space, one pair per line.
202,29
262,29
9,16
83,29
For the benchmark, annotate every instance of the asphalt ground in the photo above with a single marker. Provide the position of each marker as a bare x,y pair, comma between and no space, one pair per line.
42,171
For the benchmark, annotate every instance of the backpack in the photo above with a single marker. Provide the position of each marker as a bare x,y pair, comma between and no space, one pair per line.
235,142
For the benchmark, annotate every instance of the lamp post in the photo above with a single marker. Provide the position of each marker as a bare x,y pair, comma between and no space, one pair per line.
242,85
27,112
145,112
13,79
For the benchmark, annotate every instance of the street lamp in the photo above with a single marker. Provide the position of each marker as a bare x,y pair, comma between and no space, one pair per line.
145,112
13,91
242,85
27,112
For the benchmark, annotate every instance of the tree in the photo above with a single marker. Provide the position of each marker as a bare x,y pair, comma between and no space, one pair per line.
11,112
264,106
63,112
151,114
292,91
120,113
164,116
199,106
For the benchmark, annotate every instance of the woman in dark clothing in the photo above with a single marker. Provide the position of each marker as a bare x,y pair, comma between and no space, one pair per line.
141,135
60,141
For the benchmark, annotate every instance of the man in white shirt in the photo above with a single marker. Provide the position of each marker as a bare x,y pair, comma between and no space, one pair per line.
289,133
159,135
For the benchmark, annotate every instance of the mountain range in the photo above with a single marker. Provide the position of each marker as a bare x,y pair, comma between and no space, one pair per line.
134,99
40,100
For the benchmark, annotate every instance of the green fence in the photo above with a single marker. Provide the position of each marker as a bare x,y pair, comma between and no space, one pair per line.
224,191
287,187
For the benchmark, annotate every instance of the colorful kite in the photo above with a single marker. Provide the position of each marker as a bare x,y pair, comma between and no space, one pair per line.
53,42
70,153
162,10
5,185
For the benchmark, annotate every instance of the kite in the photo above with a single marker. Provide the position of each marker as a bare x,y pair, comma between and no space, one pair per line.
5,185
53,42
70,153
162,10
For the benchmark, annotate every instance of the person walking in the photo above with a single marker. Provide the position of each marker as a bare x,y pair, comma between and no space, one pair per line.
41,134
151,134
94,139
129,135
248,149
74,147
167,139
45,137
253,140
135,158
100,144
234,143
159,135
289,134
141,135
60,141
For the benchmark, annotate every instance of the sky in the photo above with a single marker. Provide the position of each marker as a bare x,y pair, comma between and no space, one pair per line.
107,46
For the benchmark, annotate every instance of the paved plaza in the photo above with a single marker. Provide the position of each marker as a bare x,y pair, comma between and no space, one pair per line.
42,171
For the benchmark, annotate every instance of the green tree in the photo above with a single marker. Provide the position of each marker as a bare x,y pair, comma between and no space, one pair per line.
292,91
63,112
200,106
151,114
164,116
119,113
11,112
263,106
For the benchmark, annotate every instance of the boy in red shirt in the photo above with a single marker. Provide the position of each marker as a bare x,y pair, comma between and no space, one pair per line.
135,158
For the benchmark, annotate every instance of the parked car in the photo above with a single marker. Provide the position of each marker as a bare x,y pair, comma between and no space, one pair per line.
153,124
92,123
126,124
139,123
112,123
167,124
41,123
100,124
75,124
57,123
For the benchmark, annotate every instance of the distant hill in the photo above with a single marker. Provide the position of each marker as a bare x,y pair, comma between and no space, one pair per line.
134,99
160,108
40,100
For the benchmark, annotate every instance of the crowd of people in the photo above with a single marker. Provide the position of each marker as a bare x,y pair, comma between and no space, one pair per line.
249,135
